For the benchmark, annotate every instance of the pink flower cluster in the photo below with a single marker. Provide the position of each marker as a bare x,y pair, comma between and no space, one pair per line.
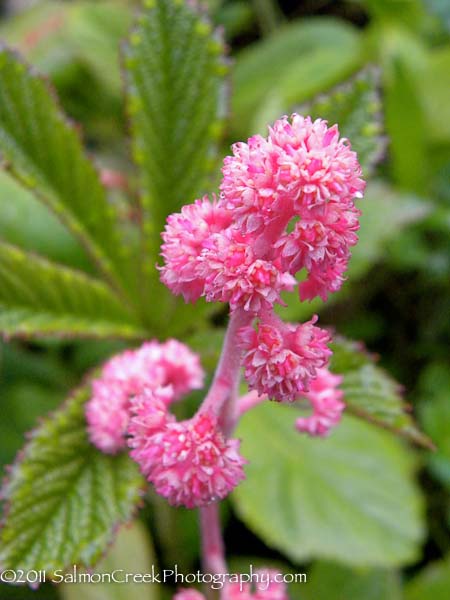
327,403
240,249
281,359
127,375
190,463
286,206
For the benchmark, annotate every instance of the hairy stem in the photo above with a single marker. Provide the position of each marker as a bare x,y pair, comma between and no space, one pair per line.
227,373
213,553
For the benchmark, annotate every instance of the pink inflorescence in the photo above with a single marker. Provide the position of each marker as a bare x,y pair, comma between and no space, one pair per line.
129,374
286,205
281,359
190,463
327,403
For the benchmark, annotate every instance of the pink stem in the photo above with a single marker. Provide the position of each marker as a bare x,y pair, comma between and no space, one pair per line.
213,552
227,373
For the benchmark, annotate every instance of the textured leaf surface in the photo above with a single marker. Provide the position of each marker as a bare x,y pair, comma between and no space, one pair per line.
371,394
330,581
356,107
64,497
175,75
40,297
349,497
44,152
26,222
131,552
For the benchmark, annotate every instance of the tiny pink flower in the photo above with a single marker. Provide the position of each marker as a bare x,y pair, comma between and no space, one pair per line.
235,275
327,404
190,463
281,360
185,236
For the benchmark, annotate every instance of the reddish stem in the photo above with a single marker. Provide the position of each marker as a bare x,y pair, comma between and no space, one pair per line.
226,377
213,552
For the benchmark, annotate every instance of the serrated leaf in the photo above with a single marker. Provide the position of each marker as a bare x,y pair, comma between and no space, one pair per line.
45,154
175,83
349,497
371,394
356,107
38,297
64,498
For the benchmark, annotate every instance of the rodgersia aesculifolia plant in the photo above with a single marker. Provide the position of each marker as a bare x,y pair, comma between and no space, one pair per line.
239,249
279,231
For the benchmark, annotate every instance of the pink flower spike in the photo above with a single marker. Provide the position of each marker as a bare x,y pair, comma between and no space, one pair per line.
185,236
281,360
188,595
327,404
300,165
190,463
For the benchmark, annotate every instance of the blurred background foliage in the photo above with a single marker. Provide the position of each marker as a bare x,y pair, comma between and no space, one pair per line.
286,55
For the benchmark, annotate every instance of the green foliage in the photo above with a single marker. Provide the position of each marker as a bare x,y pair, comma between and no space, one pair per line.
27,223
175,85
371,394
45,154
64,497
330,581
349,497
304,58
431,584
131,552
434,411
356,107
39,297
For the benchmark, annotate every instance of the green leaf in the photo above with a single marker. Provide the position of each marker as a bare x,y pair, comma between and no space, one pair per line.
404,65
38,297
433,583
349,497
64,498
434,412
25,222
356,107
330,581
371,394
45,154
131,552
298,61
175,84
